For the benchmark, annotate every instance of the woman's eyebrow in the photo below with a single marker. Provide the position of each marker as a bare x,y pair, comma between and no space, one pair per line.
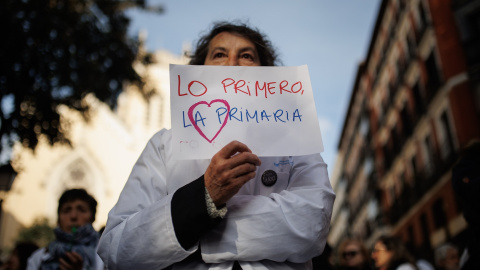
219,48
245,49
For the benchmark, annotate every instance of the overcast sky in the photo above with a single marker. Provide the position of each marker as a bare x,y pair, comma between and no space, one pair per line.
330,36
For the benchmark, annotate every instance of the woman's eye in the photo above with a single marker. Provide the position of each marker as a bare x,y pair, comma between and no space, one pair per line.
218,55
247,56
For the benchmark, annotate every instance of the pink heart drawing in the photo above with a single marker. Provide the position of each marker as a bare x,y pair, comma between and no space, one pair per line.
190,116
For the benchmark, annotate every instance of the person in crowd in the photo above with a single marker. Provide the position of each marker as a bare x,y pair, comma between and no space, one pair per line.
389,253
447,257
466,184
423,264
421,261
218,213
76,240
19,256
353,255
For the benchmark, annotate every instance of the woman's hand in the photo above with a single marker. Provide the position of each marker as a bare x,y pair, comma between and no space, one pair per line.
75,261
229,169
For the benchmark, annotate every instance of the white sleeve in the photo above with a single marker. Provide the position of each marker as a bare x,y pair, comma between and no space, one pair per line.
35,260
406,266
139,233
99,263
291,225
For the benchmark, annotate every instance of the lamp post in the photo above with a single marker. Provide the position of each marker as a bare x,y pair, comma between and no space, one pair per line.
7,175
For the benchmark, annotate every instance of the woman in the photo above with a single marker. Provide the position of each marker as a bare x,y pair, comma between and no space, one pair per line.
19,256
389,253
352,255
75,238
173,213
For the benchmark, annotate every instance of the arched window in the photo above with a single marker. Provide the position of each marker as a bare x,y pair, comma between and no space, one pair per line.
77,174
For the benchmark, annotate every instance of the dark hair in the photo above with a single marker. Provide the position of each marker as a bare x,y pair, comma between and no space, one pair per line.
352,241
78,194
400,253
23,251
266,52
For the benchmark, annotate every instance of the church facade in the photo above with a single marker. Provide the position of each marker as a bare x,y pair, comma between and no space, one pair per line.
102,154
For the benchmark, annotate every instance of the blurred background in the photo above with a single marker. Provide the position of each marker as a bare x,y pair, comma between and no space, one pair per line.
84,85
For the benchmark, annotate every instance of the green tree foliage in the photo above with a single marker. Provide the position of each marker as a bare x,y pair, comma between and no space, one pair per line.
55,52
40,233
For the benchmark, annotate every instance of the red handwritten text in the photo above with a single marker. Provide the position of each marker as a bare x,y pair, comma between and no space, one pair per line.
268,88
195,88
257,88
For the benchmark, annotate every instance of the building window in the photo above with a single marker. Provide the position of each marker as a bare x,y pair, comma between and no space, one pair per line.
388,154
433,81
372,216
413,162
398,139
447,144
429,165
342,184
410,46
380,113
407,126
439,216
368,166
402,178
402,5
425,232
411,235
364,125
391,195
399,70
423,15
418,100
421,23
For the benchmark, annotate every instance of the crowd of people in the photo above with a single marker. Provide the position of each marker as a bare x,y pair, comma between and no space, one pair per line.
387,253
75,241
223,213
75,248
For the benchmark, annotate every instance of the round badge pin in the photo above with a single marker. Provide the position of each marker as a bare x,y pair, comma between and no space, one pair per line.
269,178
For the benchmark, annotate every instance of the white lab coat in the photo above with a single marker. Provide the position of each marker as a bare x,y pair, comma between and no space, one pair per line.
278,227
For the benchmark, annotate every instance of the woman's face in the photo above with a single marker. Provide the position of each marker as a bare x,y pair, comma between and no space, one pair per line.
352,255
228,49
381,255
74,214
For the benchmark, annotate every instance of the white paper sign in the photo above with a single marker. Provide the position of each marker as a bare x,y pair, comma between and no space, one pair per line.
270,109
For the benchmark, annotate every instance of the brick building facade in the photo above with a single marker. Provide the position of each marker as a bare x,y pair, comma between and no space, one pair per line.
414,107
